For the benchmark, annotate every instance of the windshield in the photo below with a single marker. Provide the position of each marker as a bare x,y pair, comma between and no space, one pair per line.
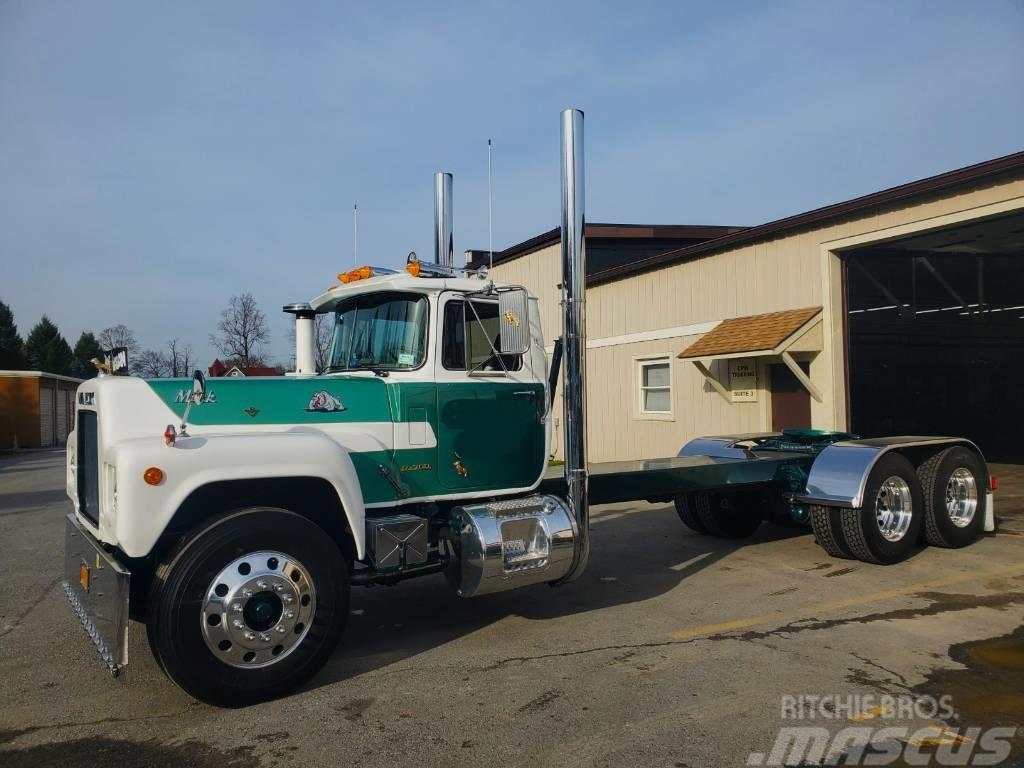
380,331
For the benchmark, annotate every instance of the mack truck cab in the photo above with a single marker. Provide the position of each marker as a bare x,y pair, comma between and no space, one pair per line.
434,394
233,516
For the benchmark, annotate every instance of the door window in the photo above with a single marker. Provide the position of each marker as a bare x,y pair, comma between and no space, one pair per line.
472,336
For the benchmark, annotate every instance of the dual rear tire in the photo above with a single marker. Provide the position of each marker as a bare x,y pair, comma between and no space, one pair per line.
941,501
725,515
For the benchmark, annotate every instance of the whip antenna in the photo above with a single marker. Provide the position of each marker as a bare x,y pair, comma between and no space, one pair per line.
355,235
490,212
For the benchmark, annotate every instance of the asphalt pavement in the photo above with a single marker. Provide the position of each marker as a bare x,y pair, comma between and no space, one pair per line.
673,649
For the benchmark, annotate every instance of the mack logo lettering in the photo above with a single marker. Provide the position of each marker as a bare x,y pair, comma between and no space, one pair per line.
183,395
413,467
325,401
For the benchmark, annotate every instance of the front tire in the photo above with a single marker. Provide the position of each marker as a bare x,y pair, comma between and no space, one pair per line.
886,528
248,607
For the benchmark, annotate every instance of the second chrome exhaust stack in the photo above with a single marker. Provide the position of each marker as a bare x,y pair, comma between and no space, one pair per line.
444,246
536,539
574,333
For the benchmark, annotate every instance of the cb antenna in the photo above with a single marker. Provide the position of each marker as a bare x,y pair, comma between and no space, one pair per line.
355,235
490,212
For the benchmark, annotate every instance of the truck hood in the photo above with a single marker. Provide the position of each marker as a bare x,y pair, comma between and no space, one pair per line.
279,400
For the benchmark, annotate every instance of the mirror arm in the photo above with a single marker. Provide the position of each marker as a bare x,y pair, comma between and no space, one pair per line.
196,397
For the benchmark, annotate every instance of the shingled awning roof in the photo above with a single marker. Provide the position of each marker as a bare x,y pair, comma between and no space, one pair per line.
739,336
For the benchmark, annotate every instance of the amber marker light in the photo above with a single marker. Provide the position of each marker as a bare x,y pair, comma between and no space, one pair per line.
153,476
412,266
365,272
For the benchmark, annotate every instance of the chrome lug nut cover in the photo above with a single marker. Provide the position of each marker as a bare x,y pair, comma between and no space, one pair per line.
961,497
894,508
255,589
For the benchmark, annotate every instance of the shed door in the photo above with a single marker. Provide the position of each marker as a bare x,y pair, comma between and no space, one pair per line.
61,399
47,409
791,403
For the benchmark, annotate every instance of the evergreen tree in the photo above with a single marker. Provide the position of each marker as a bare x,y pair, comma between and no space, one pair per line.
86,348
46,350
12,356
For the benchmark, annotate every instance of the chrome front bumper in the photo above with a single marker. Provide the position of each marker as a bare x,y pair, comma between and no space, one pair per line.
97,588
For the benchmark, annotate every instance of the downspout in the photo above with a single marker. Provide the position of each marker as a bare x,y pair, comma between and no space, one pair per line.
574,333
444,253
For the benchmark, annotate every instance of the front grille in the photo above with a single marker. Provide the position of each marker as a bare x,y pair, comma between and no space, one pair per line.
88,467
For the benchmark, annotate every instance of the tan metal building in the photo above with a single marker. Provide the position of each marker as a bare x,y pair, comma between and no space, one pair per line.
37,409
897,312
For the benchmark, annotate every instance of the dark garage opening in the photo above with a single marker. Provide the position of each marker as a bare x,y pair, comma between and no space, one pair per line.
935,328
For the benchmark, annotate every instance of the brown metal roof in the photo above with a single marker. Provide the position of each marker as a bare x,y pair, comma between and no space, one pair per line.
754,333
1001,166
616,232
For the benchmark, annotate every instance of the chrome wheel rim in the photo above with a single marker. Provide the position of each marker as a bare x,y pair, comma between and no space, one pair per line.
961,497
893,508
258,609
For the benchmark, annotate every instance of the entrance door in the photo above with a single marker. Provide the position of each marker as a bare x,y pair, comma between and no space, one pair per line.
791,403
490,430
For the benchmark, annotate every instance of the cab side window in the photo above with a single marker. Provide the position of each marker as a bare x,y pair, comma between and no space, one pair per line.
471,336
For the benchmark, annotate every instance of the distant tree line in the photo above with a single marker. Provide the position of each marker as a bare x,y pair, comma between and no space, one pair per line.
45,349
242,335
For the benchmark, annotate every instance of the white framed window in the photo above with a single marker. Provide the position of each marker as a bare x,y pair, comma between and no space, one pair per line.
654,387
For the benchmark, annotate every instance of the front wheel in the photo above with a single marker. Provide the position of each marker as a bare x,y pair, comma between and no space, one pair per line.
248,607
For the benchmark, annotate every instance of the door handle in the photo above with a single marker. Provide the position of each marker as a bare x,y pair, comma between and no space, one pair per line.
525,393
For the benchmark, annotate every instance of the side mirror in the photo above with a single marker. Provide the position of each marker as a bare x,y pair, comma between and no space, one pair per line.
514,317
198,388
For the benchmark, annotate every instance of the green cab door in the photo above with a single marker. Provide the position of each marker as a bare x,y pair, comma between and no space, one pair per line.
489,408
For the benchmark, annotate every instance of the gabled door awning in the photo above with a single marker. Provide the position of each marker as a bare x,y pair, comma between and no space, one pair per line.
773,334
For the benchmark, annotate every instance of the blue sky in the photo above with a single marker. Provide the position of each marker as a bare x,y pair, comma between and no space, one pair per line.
156,158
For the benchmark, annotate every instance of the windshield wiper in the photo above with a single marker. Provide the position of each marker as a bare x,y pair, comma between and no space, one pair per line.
381,372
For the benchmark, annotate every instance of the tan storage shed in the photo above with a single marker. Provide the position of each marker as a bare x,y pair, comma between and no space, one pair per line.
37,409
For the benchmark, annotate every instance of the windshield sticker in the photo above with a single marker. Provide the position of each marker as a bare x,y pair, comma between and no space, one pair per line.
404,358
325,401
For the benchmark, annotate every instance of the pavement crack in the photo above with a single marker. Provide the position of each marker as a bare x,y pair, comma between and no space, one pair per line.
11,735
35,603
902,679
939,603
586,651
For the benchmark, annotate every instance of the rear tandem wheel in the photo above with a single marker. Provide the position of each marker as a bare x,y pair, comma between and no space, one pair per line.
726,515
887,527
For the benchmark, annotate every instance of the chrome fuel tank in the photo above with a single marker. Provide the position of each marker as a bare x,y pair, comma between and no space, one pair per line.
508,544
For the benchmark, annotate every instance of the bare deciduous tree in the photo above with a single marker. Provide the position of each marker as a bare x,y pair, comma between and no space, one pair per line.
242,331
179,358
151,364
119,336
323,332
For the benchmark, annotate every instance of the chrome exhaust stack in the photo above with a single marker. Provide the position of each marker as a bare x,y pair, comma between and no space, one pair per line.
444,246
501,545
574,333
305,331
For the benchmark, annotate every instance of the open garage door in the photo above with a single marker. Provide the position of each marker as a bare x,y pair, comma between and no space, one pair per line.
935,335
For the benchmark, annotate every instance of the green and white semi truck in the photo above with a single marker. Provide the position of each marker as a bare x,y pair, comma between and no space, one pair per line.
234,516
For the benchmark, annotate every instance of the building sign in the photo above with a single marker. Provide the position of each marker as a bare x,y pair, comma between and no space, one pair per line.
743,380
